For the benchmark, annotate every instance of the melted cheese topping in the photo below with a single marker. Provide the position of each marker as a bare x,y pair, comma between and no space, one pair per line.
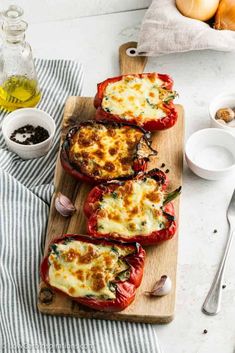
132,209
105,152
136,98
82,269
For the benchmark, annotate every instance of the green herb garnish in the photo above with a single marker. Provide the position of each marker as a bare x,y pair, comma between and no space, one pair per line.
151,104
54,250
124,275
171,196
68,240
114,195
104,296
170,97
114,250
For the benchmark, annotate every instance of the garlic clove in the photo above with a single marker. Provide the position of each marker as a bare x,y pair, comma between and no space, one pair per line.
64,205
162,287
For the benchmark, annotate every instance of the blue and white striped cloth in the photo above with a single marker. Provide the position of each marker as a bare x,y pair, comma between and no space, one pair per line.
26,188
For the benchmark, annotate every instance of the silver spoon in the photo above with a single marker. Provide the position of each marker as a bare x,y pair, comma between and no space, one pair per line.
212,302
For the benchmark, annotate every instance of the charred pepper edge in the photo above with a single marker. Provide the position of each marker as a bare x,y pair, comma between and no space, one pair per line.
155,173
148,142
137,165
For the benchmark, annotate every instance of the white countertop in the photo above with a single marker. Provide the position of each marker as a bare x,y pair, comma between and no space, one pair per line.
198,76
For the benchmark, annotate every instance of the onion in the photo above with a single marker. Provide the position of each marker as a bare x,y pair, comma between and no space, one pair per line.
198,9
225,15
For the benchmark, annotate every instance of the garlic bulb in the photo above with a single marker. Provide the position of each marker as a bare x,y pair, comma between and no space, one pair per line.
161,287
225,15
198,9
64,206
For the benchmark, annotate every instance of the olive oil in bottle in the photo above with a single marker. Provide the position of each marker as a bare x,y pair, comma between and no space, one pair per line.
18,80
18,92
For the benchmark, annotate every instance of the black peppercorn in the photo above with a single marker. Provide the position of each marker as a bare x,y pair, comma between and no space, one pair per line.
31,135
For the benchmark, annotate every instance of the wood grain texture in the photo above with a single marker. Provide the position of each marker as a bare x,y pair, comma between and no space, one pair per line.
161,259
130,64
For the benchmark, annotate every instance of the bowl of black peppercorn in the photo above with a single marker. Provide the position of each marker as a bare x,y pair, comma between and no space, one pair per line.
28,132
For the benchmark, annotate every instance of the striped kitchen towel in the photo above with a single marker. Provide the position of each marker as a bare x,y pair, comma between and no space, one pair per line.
26,188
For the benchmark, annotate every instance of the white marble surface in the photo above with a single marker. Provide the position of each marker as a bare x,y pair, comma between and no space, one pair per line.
198,77
53,10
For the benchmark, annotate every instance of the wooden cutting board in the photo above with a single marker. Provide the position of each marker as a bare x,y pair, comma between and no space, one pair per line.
161,259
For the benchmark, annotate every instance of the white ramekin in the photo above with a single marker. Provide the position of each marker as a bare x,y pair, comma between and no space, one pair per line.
22,117
210,153
225,99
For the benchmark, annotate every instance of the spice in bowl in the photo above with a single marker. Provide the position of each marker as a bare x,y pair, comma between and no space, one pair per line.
226,116
29,135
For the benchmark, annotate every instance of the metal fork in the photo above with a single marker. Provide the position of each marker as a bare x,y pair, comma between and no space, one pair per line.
212,302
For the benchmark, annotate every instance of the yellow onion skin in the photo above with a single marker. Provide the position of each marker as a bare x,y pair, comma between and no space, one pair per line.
202,10
225,15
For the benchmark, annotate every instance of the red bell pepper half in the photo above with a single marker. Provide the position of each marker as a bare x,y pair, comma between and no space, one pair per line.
138,154
123,286
150,124
95,210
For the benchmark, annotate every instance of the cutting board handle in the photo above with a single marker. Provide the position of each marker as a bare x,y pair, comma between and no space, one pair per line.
129,62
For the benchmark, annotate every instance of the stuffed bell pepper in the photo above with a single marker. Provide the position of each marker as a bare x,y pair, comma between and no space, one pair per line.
99,151
97,273
137,210
142,99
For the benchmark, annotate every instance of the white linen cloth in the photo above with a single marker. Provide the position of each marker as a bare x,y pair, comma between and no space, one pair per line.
165,30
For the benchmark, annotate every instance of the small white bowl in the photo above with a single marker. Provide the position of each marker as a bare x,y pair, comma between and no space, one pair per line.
22,117
223,100
210,153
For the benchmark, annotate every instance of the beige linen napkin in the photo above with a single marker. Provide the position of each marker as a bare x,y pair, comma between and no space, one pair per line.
164,30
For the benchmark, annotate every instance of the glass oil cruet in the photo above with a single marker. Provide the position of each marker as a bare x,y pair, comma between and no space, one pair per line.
18,80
